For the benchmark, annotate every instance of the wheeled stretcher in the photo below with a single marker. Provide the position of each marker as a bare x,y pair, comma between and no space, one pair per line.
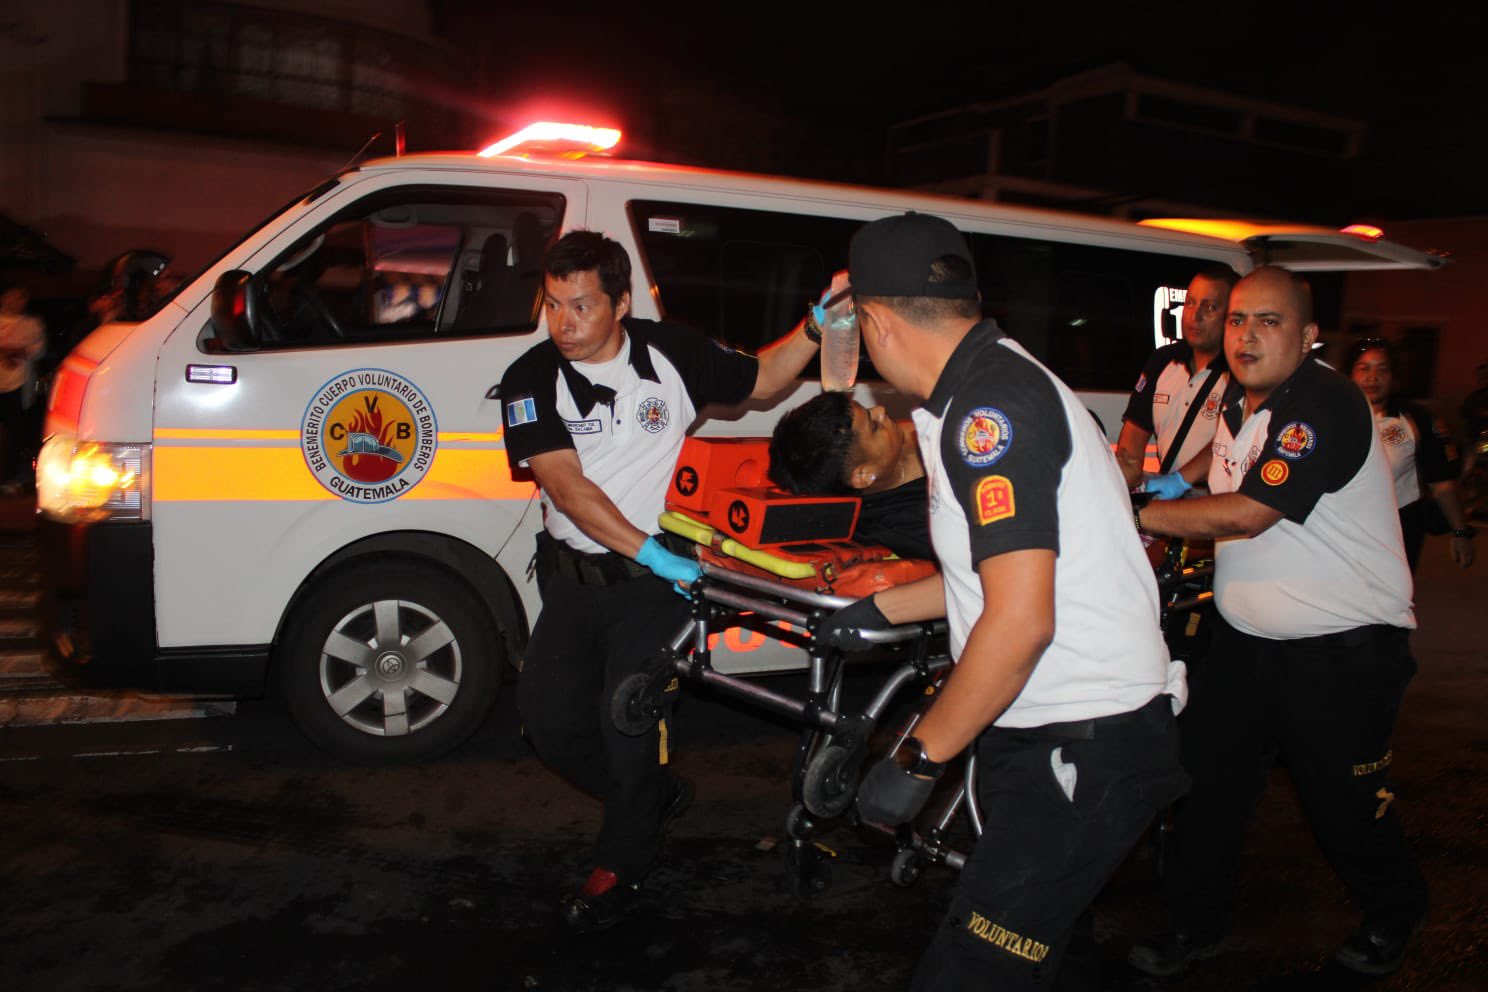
779,565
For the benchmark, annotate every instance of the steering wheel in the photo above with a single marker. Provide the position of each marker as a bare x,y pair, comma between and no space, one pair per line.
305,293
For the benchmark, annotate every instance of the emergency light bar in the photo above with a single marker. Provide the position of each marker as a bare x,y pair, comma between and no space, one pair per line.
562,140
1363,230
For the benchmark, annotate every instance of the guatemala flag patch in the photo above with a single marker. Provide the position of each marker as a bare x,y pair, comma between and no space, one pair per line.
521,411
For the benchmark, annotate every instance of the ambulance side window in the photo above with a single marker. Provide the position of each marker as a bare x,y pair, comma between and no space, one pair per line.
1084,310
742,277
412,264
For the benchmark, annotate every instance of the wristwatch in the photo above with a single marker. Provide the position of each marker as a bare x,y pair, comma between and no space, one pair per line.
813,329
1468,532
911,757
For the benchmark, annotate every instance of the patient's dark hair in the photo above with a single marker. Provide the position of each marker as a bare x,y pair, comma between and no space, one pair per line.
811,445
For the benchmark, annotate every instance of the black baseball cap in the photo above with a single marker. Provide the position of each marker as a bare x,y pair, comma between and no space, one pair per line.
893,256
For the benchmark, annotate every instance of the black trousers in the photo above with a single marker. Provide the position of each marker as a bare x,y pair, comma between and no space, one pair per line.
1329,709
586,639
1045,855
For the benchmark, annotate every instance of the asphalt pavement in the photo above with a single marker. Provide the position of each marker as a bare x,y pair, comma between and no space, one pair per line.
223,852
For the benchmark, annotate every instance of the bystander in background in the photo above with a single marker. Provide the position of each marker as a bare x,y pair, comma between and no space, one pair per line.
22,341
1423,460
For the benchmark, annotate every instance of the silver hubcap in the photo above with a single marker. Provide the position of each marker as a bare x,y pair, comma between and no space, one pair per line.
389,668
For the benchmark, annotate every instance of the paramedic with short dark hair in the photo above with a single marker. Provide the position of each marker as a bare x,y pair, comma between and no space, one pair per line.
1061,677
1187,372
599,412
1310,651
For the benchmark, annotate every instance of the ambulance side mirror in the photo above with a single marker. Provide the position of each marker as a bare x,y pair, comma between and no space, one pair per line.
233,311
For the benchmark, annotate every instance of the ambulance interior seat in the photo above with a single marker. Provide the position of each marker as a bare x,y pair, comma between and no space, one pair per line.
529,244
481,292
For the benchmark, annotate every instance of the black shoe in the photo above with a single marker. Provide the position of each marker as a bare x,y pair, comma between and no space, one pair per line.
599,904
1373,950
1171,954
681,799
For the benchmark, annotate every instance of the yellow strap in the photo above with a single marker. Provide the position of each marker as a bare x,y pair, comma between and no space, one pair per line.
701,533
783,567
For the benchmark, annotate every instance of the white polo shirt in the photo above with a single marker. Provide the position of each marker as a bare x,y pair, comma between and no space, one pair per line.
1418,447
626,418
1016,462
1335,561
1164,392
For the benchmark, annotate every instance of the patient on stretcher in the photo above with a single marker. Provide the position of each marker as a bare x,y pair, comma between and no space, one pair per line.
834,446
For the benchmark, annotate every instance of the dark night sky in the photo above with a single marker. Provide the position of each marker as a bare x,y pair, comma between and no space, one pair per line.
1417,81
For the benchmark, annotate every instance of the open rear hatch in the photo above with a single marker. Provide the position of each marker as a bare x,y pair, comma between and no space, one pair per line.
1316,249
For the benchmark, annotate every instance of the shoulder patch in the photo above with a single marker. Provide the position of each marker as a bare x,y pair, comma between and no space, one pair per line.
521,411
1275,472
984,436
1392,433
1296,440
994,499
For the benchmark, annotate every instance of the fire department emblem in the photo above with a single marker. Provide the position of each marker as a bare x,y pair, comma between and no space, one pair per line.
369,435
1393,435
652,415
1296,440
1211,407
984,436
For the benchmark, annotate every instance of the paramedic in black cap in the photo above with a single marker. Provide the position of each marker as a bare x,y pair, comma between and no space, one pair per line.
1061,681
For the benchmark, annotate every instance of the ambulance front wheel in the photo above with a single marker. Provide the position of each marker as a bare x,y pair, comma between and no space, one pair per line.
389,662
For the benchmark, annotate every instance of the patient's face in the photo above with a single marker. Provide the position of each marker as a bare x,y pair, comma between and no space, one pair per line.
877,441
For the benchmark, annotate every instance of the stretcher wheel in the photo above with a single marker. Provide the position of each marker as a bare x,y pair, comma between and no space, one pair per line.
906,867
631,709
831,780
809,870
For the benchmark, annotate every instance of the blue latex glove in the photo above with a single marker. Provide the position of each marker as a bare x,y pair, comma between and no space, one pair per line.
1169,486
665,565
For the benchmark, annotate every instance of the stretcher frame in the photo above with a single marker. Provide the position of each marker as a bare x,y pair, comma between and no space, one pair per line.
834,742
833,745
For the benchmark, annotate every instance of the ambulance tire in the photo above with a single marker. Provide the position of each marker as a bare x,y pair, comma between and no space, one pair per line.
397,706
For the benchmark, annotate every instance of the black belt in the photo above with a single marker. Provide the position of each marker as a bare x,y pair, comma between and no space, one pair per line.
603,569
1086,730
1349,638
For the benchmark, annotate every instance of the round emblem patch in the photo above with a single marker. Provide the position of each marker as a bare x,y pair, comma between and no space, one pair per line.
984,436
1296,440
1393,435
652,414
369,435
1275,472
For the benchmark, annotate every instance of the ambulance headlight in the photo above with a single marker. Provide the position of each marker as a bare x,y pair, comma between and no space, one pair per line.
92,480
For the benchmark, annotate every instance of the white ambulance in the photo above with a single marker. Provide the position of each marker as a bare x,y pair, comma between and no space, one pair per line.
295,470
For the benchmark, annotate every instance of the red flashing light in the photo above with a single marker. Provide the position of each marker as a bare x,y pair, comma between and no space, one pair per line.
551,138
1363,231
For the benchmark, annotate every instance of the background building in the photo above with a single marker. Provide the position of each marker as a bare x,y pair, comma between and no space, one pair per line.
179,125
